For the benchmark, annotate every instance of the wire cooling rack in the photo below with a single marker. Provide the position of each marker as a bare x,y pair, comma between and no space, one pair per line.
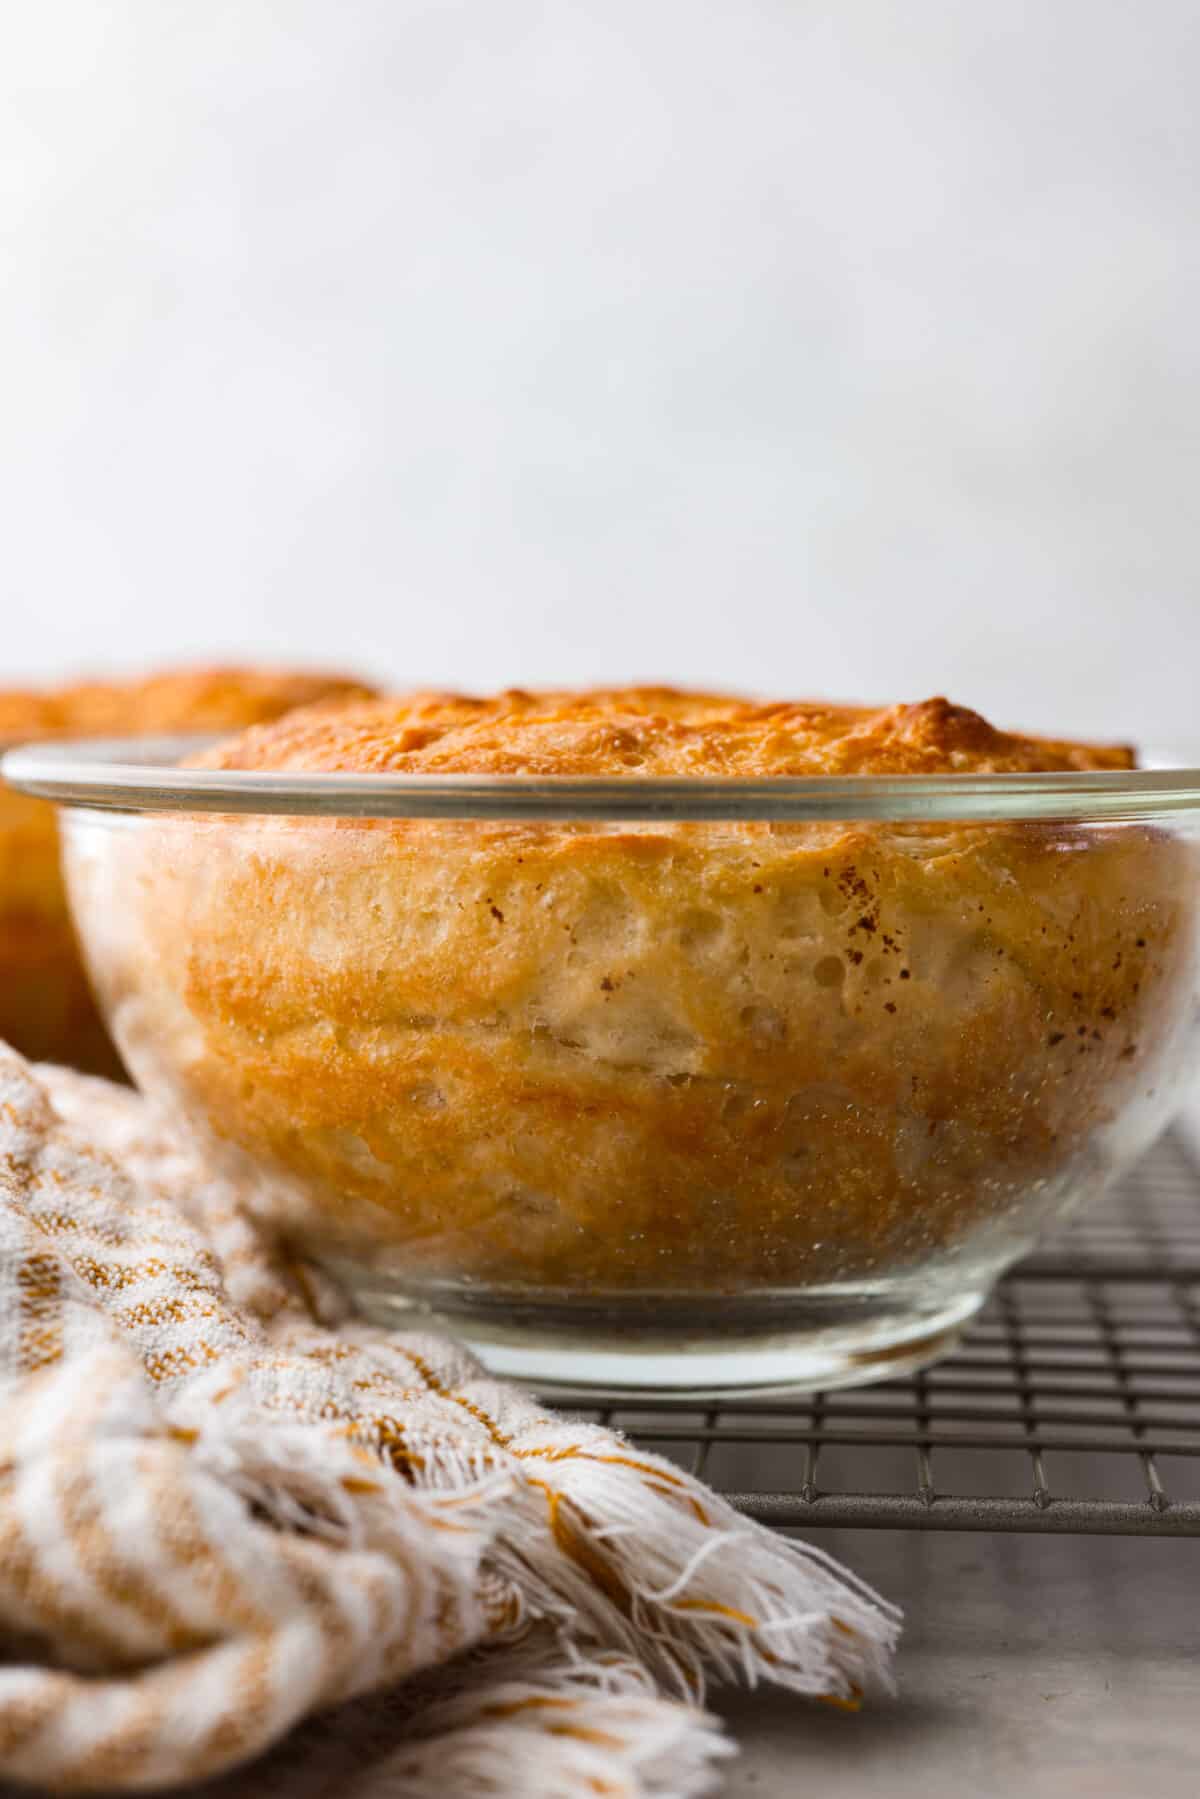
1072,1405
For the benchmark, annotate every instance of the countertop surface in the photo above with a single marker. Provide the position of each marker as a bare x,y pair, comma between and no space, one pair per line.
1032,1667
1029,1666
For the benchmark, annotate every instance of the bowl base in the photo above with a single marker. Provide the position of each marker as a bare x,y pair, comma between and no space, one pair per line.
590,1349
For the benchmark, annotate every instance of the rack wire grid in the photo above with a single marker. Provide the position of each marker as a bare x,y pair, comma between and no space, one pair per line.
1072,1405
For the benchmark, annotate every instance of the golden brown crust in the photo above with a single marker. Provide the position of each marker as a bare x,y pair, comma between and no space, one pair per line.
648,731
46,1007
657,1057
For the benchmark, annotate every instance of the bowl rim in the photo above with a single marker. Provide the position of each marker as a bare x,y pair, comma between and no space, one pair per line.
140,774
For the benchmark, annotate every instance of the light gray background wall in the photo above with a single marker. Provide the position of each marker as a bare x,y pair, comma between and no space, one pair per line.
833,346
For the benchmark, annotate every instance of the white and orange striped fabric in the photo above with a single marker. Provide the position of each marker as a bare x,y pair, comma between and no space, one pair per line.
223,1508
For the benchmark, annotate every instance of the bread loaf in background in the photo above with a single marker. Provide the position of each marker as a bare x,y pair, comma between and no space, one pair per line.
46,1006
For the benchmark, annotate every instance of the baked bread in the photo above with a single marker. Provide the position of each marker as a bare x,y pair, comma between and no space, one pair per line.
46,1006
649,732
666,1057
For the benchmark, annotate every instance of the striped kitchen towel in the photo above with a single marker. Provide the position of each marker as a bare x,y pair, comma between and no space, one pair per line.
223,1507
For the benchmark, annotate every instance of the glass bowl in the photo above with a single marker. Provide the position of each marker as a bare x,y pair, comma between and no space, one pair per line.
695,1085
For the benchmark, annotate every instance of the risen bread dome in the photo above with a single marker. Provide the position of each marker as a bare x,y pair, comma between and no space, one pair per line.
46,1007
647,731
655,1057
